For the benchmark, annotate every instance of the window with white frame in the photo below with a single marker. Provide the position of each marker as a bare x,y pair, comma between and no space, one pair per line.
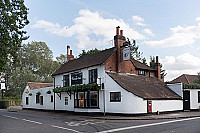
198,96
115,96
66,100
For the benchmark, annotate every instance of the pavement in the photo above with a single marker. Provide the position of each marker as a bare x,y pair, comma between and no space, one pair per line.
168,115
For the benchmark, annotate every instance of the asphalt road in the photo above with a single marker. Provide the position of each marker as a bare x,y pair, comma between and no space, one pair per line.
20,122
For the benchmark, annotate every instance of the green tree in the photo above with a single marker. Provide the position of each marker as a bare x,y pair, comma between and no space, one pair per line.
153,65
135,53
35,64
61,59
92,51
13,18
198,79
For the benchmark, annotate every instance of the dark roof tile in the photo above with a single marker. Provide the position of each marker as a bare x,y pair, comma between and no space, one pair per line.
85,61
140,65
149,88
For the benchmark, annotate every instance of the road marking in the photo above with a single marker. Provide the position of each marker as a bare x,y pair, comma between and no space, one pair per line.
32,121
66,128
146,125
10,117
83,123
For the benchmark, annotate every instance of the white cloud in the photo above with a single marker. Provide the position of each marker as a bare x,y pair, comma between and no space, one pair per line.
90,24
198,19
182,64
149,32
181,35
138,20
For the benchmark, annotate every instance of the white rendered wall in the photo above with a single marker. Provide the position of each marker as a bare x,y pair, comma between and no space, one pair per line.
166,105
130,104
60,103
47,104
194,99
177,88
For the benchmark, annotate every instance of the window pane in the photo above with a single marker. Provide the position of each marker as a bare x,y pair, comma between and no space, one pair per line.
93,98
66,100
66,80
37,98
41,100
26,100
93,76
198,96
115,96
81,99
51,98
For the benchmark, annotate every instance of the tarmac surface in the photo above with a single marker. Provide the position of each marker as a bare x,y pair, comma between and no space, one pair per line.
166,115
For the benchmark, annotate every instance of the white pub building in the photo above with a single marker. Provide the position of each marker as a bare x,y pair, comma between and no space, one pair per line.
105,82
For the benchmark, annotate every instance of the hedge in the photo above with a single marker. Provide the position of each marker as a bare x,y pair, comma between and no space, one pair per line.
4,104
191,86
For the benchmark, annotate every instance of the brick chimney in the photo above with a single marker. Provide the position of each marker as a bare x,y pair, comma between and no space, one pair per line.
119,39
158,69
69,54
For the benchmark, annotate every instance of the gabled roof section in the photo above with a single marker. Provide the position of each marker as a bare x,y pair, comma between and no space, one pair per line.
140,65
85,61
185,78
148,88
34,85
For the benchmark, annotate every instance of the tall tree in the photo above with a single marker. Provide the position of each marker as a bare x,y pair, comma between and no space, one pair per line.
153,65
135,53
13,18
61,59
35,64
92,51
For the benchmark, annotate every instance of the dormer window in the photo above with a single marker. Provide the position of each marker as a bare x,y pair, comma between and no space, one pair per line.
141,72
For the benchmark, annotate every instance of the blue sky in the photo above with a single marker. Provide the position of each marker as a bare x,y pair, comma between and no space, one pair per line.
167,28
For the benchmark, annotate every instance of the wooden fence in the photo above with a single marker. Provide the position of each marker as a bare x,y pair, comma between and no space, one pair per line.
15,102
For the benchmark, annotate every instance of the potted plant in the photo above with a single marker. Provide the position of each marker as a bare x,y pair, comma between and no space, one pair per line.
48,92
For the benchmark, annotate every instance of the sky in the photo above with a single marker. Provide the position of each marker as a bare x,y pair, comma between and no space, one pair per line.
169,29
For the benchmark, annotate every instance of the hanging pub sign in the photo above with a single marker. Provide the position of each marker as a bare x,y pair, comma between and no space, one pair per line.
3,86
76,78
126,53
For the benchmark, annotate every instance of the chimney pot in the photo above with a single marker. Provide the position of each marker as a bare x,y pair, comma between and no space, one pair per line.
68,47
157,59
121,32
117,30
70,52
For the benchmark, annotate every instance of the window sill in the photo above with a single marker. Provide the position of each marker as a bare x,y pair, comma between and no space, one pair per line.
115,101
87,107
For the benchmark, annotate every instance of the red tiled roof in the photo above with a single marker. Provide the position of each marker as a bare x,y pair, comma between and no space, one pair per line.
34,85
148,88
185,78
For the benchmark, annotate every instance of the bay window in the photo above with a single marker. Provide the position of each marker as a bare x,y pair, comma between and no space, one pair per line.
86,99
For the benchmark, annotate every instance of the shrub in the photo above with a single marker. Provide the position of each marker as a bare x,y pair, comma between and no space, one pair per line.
4,104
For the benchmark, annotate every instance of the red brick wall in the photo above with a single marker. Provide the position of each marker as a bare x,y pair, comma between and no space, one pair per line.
110,64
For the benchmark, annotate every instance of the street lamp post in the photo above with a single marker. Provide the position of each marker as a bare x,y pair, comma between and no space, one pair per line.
102,88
